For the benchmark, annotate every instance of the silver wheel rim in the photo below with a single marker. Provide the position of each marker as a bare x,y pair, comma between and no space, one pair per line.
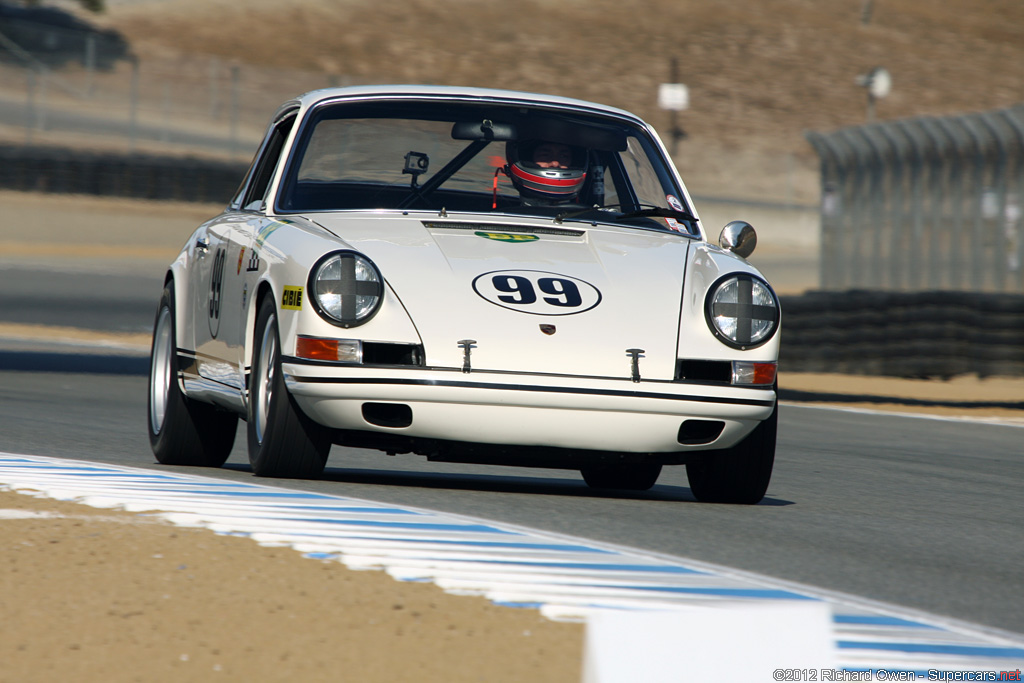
265,378
160,371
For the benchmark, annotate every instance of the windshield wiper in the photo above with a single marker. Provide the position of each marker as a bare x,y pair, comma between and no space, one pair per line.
650,211
659,212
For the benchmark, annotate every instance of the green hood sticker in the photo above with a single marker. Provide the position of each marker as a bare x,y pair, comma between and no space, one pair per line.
506,237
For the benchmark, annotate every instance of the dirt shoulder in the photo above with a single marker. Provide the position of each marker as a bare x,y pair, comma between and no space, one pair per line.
97,595
98,234
968,397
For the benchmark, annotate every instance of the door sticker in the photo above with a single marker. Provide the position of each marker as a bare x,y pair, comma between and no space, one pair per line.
268,229
537,292
216,291
254,261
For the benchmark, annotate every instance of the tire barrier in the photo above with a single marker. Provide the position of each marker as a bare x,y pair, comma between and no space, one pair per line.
936,334
140,176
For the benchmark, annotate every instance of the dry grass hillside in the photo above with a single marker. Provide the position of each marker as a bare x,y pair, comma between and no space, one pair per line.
760,72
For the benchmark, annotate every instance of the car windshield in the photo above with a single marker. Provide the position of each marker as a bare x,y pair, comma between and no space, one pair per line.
457,157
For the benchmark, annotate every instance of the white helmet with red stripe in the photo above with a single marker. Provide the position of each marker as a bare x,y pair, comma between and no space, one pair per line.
555,182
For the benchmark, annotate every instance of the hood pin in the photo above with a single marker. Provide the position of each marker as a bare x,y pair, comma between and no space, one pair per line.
467,345
636,355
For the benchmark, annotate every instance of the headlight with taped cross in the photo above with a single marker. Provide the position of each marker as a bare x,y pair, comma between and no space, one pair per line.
742,311
346,288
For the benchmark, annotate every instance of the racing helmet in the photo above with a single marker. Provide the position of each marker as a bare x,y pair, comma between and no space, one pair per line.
532,180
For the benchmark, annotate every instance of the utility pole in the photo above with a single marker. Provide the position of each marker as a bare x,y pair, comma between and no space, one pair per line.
866,8
674,97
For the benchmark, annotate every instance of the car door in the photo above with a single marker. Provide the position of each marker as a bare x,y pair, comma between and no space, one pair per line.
226,270
216,299
248,231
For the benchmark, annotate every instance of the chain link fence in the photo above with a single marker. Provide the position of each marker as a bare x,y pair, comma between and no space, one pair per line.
65,83
932,203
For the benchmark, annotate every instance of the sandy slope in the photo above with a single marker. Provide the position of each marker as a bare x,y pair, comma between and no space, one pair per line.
96,596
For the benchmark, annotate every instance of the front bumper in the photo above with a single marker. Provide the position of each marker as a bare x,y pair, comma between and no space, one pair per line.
514,409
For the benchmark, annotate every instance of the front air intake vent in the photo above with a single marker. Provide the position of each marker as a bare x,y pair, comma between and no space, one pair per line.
700,432
382,353
497,227
704,371
394,415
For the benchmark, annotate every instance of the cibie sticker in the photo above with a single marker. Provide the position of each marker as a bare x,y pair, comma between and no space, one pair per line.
674,203
292,298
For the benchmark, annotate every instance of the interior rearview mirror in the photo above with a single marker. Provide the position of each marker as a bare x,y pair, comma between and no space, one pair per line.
483,130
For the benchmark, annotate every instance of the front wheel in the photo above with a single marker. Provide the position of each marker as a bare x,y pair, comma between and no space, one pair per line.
638,477
181,431
739,474
283,441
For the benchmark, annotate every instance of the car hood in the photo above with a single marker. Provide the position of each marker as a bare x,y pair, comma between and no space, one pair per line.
533,296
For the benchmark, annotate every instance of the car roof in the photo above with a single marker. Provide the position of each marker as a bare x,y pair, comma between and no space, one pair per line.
311,98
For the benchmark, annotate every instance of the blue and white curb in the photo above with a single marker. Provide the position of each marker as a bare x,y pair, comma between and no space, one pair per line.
616,590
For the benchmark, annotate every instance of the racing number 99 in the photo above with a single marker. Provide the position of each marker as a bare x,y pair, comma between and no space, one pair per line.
563,293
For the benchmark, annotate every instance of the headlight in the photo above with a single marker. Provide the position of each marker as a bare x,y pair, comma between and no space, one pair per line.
742,311
347,288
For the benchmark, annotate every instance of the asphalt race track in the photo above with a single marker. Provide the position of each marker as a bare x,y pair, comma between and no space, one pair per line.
919,512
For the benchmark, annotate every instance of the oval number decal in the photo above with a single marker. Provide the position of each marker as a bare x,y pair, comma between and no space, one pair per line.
537,292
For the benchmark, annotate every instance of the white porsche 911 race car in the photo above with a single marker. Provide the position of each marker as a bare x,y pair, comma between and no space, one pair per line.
477,276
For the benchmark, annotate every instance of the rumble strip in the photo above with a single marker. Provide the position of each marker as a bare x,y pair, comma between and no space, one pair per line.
672,600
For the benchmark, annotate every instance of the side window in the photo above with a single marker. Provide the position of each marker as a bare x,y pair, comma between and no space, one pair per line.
642,176
265,165
236,200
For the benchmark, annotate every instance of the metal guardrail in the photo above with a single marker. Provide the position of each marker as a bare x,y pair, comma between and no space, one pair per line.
59,76
931,203
53,169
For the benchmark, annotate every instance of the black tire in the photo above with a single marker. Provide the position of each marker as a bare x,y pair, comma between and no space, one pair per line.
739,474
636,477
283,441
181,431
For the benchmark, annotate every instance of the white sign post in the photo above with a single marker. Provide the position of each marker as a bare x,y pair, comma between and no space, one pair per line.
878,83
673,96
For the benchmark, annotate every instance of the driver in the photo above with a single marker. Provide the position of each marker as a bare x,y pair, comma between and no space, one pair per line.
546,172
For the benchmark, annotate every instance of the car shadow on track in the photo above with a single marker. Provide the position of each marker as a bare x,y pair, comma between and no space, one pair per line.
546,486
